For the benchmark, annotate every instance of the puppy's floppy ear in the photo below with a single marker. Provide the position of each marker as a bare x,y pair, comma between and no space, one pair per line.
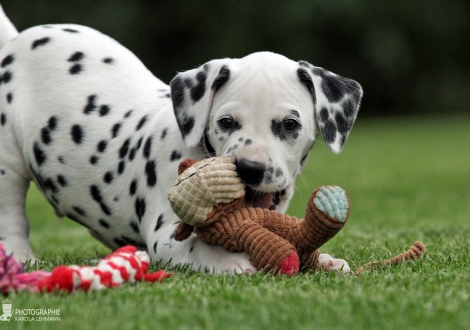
192,93
336,99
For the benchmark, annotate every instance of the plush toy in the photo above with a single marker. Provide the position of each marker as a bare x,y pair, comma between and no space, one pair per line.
209,197
125,265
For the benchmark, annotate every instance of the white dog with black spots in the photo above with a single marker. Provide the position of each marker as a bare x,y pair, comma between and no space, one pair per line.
102,137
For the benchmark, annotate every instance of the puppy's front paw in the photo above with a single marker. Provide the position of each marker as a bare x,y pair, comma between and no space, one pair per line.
329,263
237,263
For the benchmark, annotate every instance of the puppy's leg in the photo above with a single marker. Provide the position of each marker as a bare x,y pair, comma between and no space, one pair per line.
14,227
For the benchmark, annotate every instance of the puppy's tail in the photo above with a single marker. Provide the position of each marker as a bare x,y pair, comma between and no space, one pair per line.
7,29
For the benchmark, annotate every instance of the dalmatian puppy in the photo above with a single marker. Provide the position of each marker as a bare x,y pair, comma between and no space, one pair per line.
102,137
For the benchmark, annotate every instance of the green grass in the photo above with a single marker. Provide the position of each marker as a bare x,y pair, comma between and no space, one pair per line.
407,178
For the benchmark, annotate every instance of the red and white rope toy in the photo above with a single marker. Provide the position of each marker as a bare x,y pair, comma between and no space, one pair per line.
123,265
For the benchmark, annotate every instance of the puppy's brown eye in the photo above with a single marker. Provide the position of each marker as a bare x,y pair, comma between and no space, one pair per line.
226,122
290,124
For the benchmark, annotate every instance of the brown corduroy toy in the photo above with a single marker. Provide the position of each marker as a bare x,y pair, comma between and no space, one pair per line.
210,199
276,242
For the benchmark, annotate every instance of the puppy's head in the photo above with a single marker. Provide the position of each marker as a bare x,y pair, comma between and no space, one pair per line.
264,110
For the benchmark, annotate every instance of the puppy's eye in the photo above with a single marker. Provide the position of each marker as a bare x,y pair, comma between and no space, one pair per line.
226,122
290,124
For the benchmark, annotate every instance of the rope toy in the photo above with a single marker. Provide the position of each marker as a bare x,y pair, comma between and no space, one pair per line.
209,198
125,265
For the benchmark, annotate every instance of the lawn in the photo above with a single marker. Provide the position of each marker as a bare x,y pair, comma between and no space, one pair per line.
407,179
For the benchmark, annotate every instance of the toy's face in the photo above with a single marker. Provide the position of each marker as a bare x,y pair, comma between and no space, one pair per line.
269,137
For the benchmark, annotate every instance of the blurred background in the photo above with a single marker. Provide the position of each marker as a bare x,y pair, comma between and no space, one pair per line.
412,57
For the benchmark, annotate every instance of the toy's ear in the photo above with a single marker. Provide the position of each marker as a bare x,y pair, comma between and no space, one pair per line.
336,99
185,164
192,93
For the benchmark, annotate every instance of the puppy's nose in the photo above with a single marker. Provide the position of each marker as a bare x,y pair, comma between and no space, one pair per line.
250,172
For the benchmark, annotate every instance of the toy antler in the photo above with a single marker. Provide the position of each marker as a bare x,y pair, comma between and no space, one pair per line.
415,252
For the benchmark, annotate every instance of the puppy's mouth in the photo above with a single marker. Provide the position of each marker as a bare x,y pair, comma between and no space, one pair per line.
254,198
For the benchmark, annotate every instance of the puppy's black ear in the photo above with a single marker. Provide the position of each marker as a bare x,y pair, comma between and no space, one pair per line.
336,99
192,93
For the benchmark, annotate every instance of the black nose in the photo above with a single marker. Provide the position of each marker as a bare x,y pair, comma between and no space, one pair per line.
250,172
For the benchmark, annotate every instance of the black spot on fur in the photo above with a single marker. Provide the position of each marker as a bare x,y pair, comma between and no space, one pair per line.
7,76
124,148
97,197
61,180
191,249
3,119
52,123
40,42
276,128
75,69
91,106
175,155
164,132
151,172
104,110
306,79
334,86
120,242
141,123
75,57
197,91
77,134
101,146
7,60
2,172
140,207
222,77
104,223
93,160
61,159
128,114
342,125
115,130
155,247
159,222
108,60
121,167
248,141
147,147
132,153
186,126
70,30
324,114
50,185
108,177
177,92
139,143
135,227
39,154
329,132
133,187
9,98
46,135
279,172
79,210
